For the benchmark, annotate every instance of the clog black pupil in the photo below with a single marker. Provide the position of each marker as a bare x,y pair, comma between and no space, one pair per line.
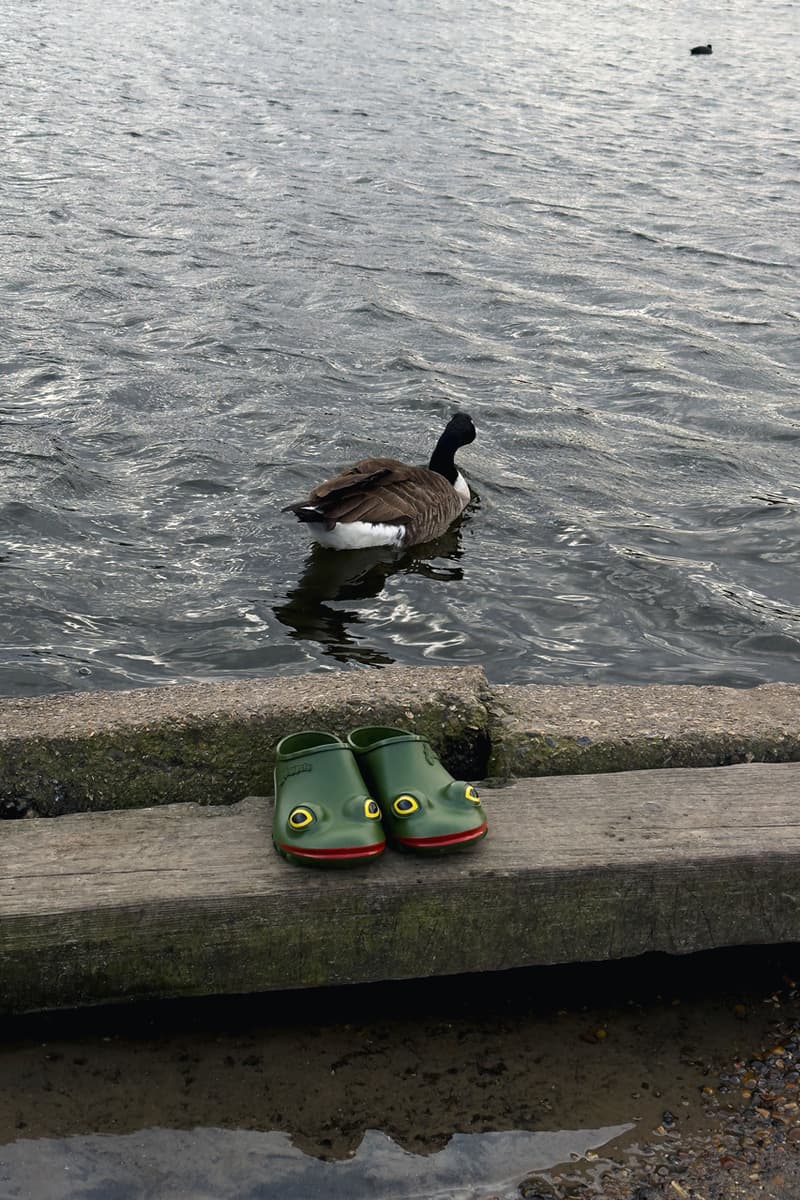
404,805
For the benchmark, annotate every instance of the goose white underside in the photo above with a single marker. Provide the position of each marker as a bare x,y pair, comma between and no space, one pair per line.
357,535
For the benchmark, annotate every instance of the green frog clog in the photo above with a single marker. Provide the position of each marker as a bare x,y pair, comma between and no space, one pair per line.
423,807
324,815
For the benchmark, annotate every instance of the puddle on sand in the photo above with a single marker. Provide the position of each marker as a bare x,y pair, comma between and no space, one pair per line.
217,1164
472,1082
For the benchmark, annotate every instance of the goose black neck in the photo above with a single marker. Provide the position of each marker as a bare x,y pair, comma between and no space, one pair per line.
443,458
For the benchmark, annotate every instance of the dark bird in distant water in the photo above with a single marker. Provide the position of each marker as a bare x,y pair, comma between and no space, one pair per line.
701,49
383,502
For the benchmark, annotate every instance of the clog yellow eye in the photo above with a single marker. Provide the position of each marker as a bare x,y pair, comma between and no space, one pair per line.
471,794
301,818
371,810
404,806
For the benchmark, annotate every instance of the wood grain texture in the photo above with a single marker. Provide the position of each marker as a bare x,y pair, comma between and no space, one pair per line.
185,899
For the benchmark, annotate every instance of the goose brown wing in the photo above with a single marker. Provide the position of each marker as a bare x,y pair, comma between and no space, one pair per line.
379,506
344,488
386,492
383,491
416,497
378,490
367,473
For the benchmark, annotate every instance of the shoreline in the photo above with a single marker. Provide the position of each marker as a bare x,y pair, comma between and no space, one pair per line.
156,876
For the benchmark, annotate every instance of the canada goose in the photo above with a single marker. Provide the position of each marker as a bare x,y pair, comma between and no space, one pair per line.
383,502
701,49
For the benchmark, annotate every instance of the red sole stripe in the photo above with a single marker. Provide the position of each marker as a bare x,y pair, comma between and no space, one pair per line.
338,853
447,839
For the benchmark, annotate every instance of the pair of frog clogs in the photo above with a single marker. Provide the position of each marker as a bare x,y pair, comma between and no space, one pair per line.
336,802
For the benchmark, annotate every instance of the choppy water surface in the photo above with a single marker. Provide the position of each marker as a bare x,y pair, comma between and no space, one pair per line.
244,243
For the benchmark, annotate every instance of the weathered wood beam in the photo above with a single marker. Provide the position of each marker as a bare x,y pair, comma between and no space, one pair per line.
186,899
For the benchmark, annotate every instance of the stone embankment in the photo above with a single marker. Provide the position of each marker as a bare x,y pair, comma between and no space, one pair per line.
158,878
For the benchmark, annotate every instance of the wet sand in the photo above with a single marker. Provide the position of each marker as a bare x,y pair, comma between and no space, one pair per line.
747,1147
679,1049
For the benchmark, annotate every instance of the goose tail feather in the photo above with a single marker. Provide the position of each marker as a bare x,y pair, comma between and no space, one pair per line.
309,513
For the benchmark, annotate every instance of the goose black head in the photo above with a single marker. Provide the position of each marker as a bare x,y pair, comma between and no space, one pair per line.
460,429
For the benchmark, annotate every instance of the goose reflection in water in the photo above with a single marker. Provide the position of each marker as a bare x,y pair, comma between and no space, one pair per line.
331,575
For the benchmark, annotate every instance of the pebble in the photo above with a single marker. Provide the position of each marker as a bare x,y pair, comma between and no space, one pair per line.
750,1152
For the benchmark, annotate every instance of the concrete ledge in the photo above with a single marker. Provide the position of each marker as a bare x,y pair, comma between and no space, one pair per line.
182,899
540,730
215,743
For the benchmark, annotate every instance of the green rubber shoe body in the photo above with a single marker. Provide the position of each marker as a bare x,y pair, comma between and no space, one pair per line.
324,815
424,808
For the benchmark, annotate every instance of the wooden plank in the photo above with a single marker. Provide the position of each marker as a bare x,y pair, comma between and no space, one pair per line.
183,899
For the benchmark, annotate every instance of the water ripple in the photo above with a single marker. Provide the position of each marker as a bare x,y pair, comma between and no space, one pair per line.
238,255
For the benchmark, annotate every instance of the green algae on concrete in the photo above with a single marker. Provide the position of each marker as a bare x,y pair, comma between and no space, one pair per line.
551,730
214,743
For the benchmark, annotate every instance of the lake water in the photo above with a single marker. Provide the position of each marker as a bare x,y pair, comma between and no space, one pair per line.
245,243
